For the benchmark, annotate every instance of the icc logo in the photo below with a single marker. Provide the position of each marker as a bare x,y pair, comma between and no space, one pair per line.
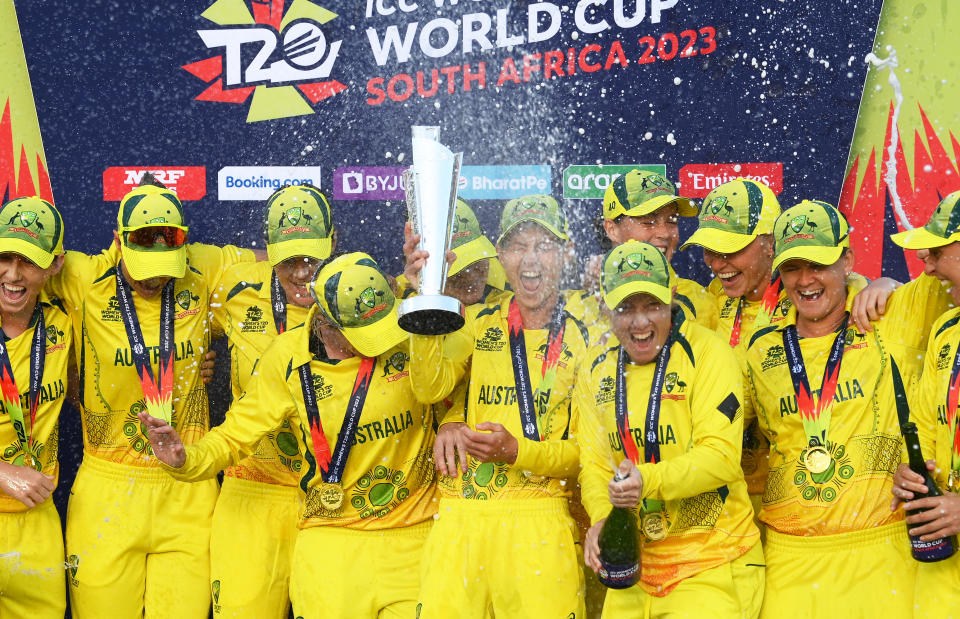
270,46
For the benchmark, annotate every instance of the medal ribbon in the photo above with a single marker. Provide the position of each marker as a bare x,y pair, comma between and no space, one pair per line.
953,422
816,420
651,439
278,302
767,304
332,466
158,395
529,411
8,385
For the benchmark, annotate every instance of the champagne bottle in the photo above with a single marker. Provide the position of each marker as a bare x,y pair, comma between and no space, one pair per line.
619,548
934,550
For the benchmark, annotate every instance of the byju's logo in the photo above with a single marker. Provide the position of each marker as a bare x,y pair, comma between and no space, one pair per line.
265,43
369,183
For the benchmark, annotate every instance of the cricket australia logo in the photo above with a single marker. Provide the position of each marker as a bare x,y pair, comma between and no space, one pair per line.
215,594
369,303
635,263
715,206
185,299
796,226
23,221
55,338
73,566
262,50
393,368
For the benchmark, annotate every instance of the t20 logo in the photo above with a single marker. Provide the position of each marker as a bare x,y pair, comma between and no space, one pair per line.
272,47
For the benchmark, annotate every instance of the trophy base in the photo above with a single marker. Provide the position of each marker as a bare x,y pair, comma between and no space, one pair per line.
434,314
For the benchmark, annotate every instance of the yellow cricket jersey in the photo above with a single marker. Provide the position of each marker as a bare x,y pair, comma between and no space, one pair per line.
700,431
389,474
928,406
53,386
481,351
864,434
241,305
696,301
110,392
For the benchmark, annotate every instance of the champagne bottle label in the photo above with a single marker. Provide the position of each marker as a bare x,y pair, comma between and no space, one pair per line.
934,550
616,576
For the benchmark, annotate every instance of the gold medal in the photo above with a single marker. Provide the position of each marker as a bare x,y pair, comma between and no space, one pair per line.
654,526
331,496
817,459
953,481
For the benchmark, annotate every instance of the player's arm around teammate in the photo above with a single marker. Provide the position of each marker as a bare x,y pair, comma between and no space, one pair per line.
35,345
824,392
666,404
367,483
934,410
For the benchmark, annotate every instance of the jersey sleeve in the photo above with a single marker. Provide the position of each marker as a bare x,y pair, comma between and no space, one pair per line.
212,260
551,458
439,363
924,401
73,281
263,407
716,408
596,456
913,308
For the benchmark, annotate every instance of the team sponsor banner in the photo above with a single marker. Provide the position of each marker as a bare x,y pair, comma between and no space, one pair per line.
259,182
369,183
696,180
503,182
905,155
23,165
589,182
190,182
554,84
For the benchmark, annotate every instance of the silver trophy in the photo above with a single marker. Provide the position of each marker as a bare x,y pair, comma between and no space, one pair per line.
431,188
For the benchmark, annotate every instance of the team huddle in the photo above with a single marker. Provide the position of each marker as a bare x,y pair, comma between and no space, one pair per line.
754,426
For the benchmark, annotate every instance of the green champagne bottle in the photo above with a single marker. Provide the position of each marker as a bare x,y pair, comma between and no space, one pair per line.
619,548
938,549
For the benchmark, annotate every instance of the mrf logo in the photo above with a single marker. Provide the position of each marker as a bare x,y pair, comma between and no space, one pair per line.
274,44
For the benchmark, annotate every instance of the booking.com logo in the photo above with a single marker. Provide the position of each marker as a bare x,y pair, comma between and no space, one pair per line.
280,48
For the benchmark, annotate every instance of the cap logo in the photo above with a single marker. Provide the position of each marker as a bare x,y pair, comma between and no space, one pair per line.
157,220
292,215
636,263
461,228
653,183
369,298
796,224
720,202
25,219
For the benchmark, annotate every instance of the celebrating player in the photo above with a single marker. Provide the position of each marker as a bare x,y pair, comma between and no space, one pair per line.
824,393
342,384
681,459
255,302
137,539
504,541
34,355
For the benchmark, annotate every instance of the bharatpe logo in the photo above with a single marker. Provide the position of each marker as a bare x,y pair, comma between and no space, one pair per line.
489,182
188,182
263,52
259,182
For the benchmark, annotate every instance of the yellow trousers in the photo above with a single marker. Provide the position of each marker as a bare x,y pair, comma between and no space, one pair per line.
506,558
31,564
138,543
937,593
348,574
866,573
251,549
730,591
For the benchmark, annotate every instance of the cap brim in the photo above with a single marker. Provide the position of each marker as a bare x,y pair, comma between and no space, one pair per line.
618,294
376,338
312,248
31,252
146,264
719,241
921,238
818,255
557,233
471,252
685,206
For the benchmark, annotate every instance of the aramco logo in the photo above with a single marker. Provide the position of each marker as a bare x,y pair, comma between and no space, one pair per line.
279,55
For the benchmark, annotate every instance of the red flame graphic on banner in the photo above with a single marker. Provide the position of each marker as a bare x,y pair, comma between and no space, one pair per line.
935,176
14,184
